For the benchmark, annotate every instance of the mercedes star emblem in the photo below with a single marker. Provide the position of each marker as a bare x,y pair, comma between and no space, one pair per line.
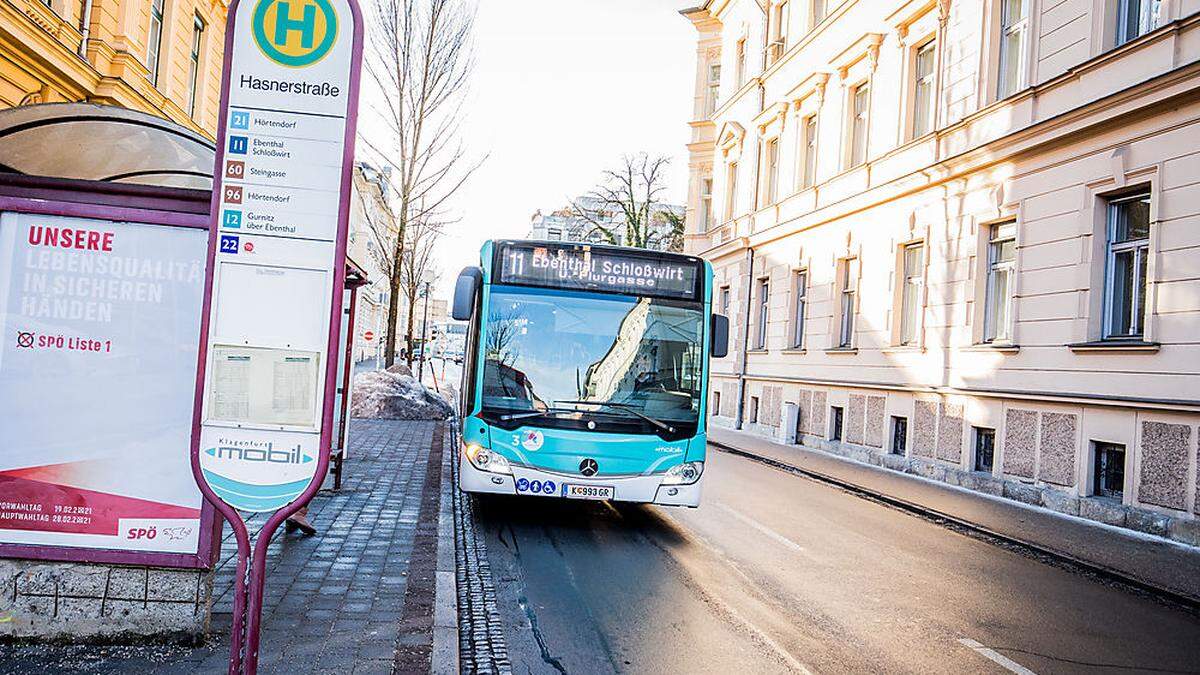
588,467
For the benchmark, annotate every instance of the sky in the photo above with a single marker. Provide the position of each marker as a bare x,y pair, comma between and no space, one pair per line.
562,89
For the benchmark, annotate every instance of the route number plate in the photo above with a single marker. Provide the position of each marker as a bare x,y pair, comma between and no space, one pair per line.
599,492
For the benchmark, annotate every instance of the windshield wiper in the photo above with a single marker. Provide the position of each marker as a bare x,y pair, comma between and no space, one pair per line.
535,413
625,407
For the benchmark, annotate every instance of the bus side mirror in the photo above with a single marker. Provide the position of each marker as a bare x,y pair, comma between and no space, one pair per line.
719,345
465,289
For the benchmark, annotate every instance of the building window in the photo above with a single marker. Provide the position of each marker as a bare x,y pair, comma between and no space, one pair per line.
800,288
1109,476
847,289
731,190
1001,261
1014,22
154,43
808,150
194,63
1128,249
753,414
779,20
899,435
741,63
819,11
716,409
725,300
771,158
554,234
923,89
985,449
910,300
706,204
835,423
1136,18
764,305
712,92
860,98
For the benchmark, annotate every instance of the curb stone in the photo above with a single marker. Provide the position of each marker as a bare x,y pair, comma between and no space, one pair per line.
445,607
481,643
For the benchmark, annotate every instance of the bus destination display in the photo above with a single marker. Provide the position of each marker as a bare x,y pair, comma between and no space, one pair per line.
598,269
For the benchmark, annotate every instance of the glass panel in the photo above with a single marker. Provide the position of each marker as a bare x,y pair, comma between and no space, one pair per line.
858,142
1130,19
1004,250
818,11
908,328
998,304
810,150
801,301
914,257
772,170
1011,46
1122,292
546,347
1013,11
1139,316
847,332
1132,219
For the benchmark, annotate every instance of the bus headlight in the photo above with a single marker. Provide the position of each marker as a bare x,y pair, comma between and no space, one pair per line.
684,474
485,460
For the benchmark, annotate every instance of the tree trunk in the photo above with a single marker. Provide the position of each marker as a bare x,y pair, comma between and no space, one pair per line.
389,347
394,284
412,305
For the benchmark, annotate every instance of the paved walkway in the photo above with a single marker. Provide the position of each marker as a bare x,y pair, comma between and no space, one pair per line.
1145,559
338,602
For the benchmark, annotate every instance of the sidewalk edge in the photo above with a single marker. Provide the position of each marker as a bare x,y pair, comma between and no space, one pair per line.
445,604
1187,601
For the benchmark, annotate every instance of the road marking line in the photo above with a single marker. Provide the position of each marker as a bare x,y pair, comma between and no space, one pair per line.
1000,659
763,529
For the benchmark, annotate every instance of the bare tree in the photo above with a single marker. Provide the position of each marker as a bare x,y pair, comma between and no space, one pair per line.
416,268
627,199
420,58
675,222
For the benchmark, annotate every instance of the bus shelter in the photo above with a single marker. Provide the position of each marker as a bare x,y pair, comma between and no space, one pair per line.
104,218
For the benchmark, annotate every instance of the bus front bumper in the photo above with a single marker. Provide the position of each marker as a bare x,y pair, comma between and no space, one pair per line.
642,489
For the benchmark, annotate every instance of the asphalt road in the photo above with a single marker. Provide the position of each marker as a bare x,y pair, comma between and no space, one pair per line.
779,573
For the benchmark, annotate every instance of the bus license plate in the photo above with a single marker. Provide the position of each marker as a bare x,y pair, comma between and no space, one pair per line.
590,492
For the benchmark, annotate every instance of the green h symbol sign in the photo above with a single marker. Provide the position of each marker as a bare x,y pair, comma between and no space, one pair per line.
306,25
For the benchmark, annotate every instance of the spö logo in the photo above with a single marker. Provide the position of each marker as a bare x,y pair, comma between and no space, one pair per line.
294,33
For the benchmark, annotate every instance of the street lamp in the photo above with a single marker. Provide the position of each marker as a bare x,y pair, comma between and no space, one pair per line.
424,326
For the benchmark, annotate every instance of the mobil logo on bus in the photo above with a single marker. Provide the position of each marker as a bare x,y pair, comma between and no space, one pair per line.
294,33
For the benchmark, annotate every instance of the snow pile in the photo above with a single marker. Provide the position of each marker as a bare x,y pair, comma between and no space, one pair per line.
390,395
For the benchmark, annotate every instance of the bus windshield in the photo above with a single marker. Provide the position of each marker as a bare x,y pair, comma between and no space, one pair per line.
545,348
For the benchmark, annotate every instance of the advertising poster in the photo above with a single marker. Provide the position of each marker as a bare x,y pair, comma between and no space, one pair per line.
100,325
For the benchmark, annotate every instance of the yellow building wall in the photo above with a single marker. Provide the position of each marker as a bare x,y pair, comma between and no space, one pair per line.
41,61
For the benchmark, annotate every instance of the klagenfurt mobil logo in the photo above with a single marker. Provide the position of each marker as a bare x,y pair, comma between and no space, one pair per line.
294,33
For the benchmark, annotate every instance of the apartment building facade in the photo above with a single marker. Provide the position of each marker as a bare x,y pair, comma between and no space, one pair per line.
158,56
961,238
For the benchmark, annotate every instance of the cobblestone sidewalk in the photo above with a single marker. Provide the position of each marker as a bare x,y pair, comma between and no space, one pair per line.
335,602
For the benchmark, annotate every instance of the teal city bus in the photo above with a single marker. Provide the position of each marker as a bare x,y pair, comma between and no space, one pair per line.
586,372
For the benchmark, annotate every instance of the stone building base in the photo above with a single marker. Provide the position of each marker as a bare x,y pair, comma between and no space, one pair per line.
1181,529
53,601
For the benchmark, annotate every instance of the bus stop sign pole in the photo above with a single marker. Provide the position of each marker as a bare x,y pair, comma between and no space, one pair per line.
270,324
